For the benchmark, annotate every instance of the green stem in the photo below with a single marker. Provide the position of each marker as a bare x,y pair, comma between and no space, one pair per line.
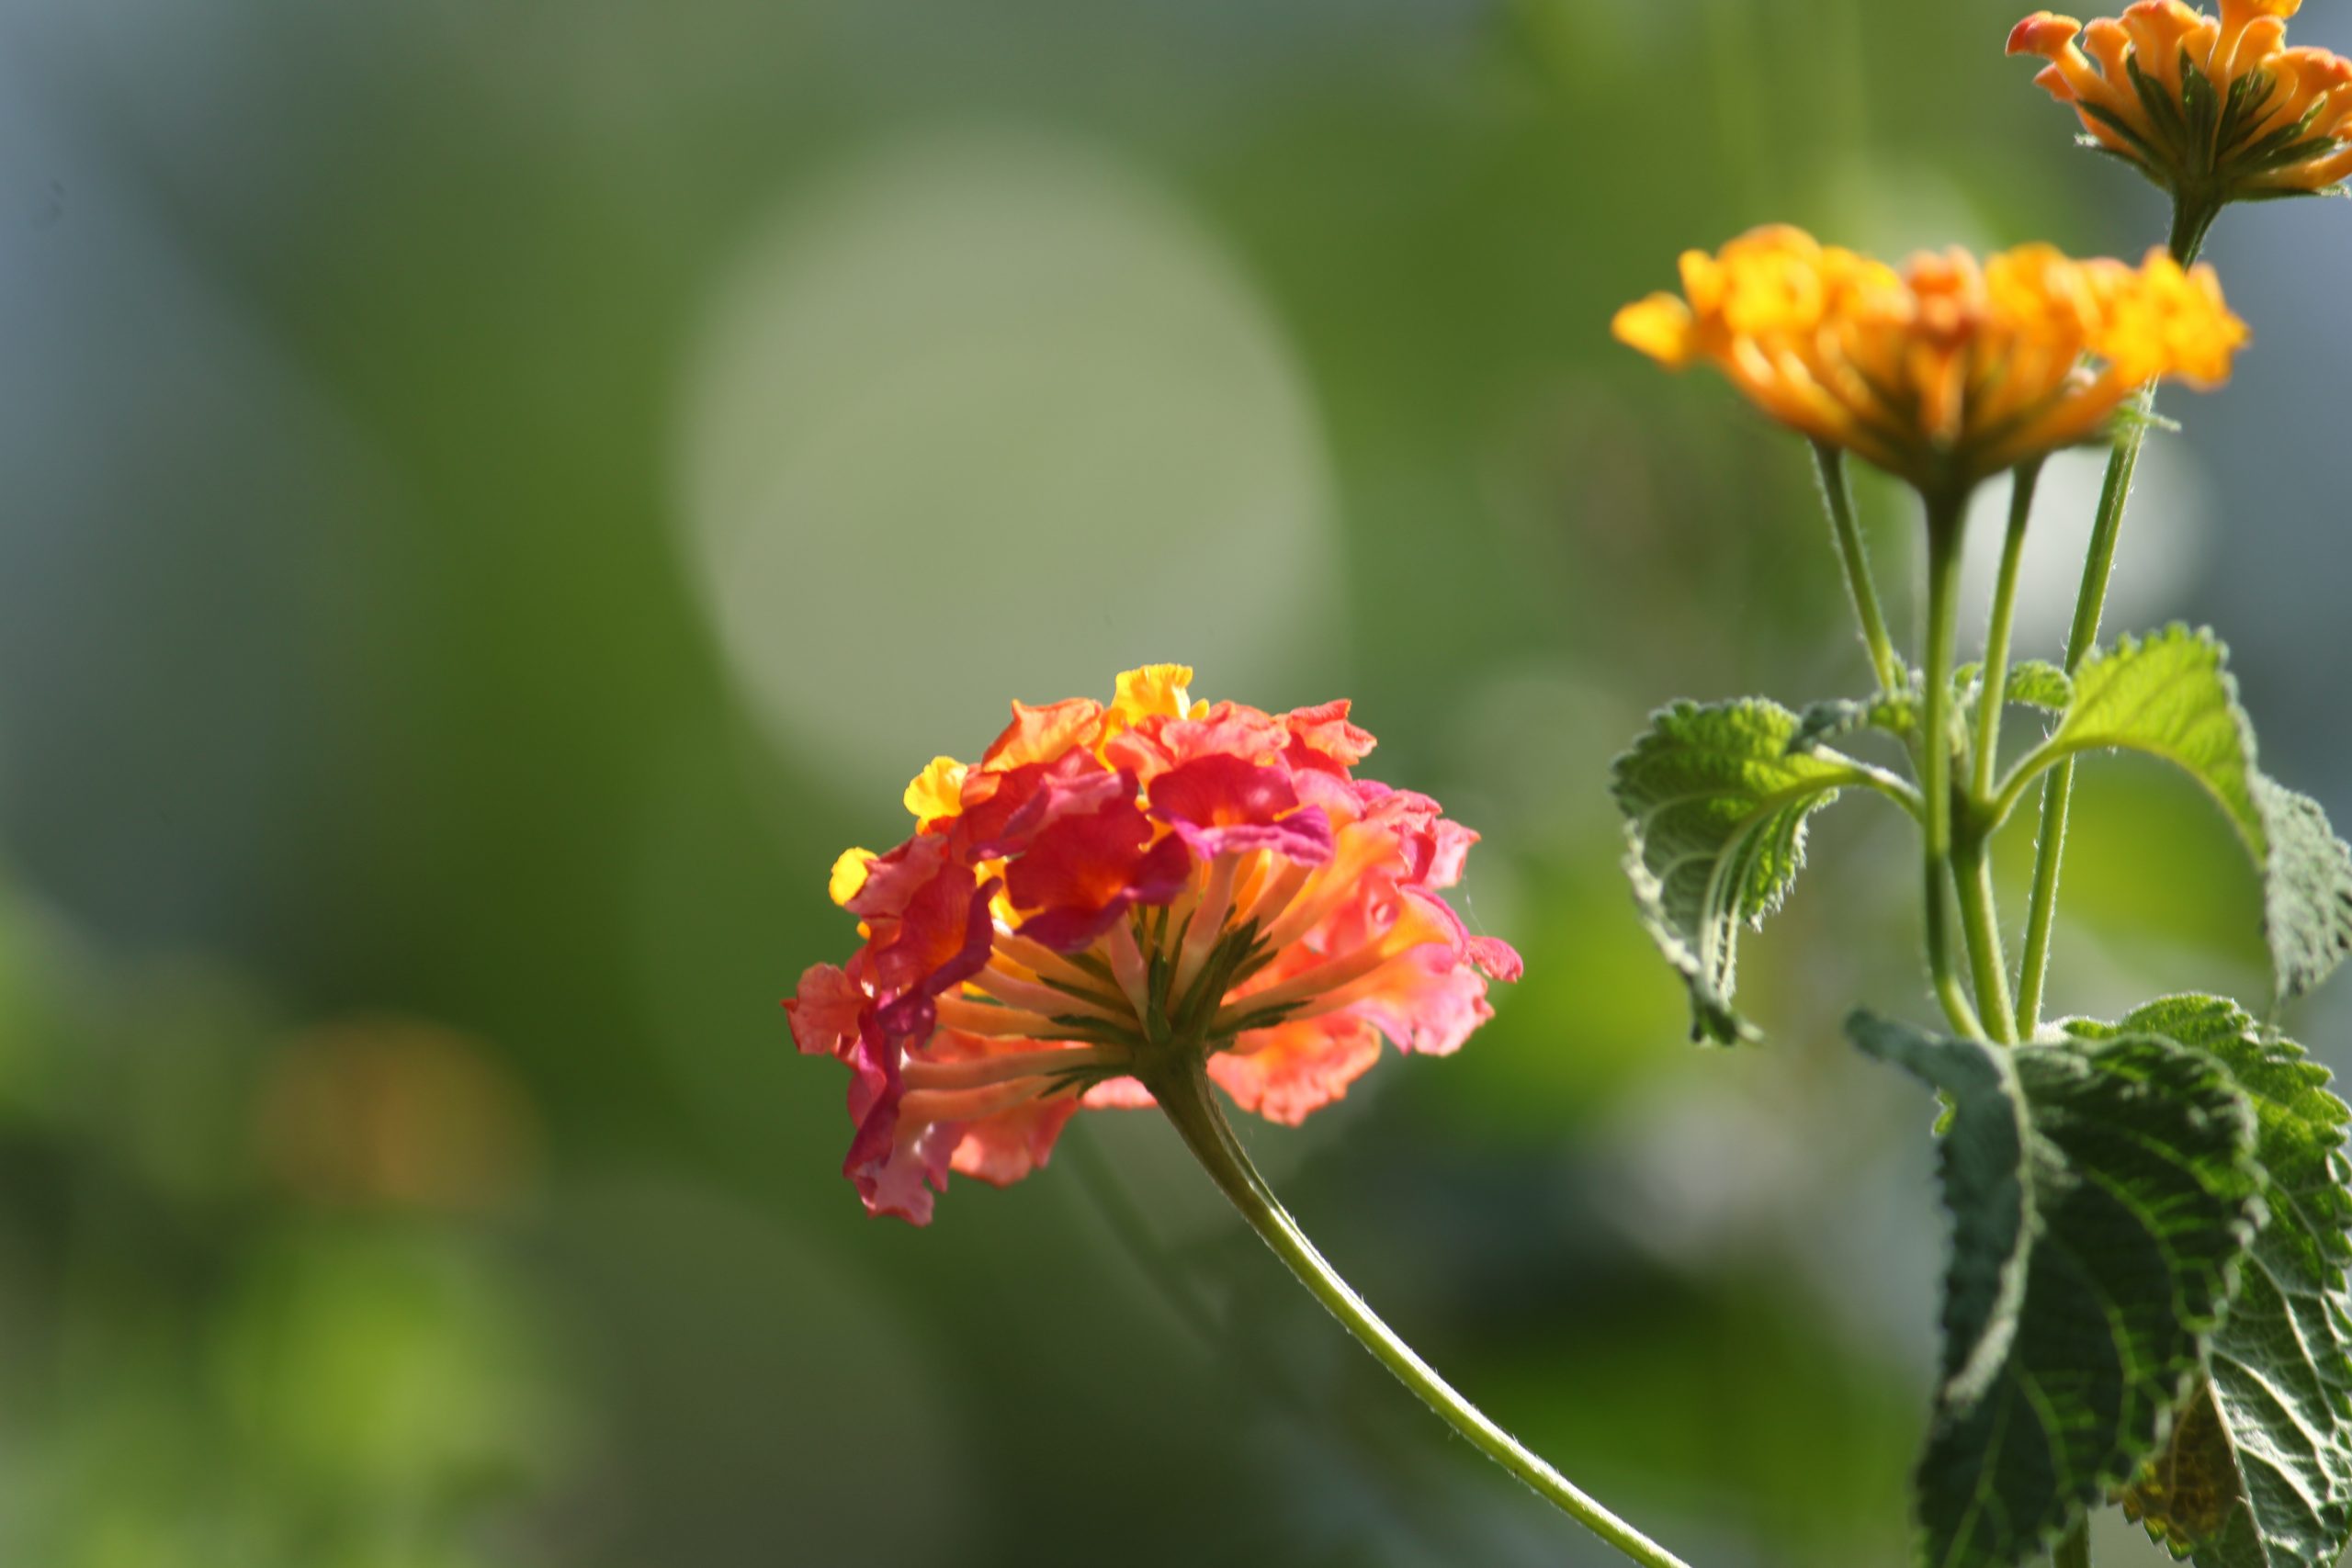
2042,903
1992,700
1944,517
2057,794
2191,220
1838,498
1980,928
1183,1093
2074,1551
1256,1360
1972,866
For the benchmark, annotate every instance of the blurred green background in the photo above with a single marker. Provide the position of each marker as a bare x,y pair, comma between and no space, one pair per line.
498,492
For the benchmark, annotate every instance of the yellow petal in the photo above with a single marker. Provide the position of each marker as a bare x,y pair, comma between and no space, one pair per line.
937,791
1154,689
1660,326
849,875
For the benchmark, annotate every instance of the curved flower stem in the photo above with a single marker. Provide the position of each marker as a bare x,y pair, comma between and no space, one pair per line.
1944,517
1837,497
2191,220
1411,1505
1183,1093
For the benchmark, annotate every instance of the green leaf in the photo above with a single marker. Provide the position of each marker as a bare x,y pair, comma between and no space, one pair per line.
2101,1195
1896,712
2170,696
2258,1470
2038,683
1715,806
2032,683
2306,888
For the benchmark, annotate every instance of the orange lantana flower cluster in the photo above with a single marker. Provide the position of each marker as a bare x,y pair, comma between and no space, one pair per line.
1112,888
1946,371
2212,108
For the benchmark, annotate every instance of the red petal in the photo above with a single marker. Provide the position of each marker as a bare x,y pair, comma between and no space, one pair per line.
928,914
1322,738
1219,791
1003,811
1497,958
1221,805
1228,729
1153,875
900,1178
825,1012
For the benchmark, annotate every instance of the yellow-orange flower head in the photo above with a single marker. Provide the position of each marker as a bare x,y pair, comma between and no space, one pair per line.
2213,109
1947,371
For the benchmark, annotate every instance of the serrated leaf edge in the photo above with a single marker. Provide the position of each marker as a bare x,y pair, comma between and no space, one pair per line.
2264,794
2108,1479
1708,972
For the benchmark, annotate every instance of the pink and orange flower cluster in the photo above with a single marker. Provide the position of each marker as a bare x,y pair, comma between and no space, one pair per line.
1111,887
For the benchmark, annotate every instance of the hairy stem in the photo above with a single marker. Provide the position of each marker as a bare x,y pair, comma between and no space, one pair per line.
2192,216
1183,1093
2042,903
1992,699
1837,497
1973,865
1980,928
2191,220
2057,792
1944,517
